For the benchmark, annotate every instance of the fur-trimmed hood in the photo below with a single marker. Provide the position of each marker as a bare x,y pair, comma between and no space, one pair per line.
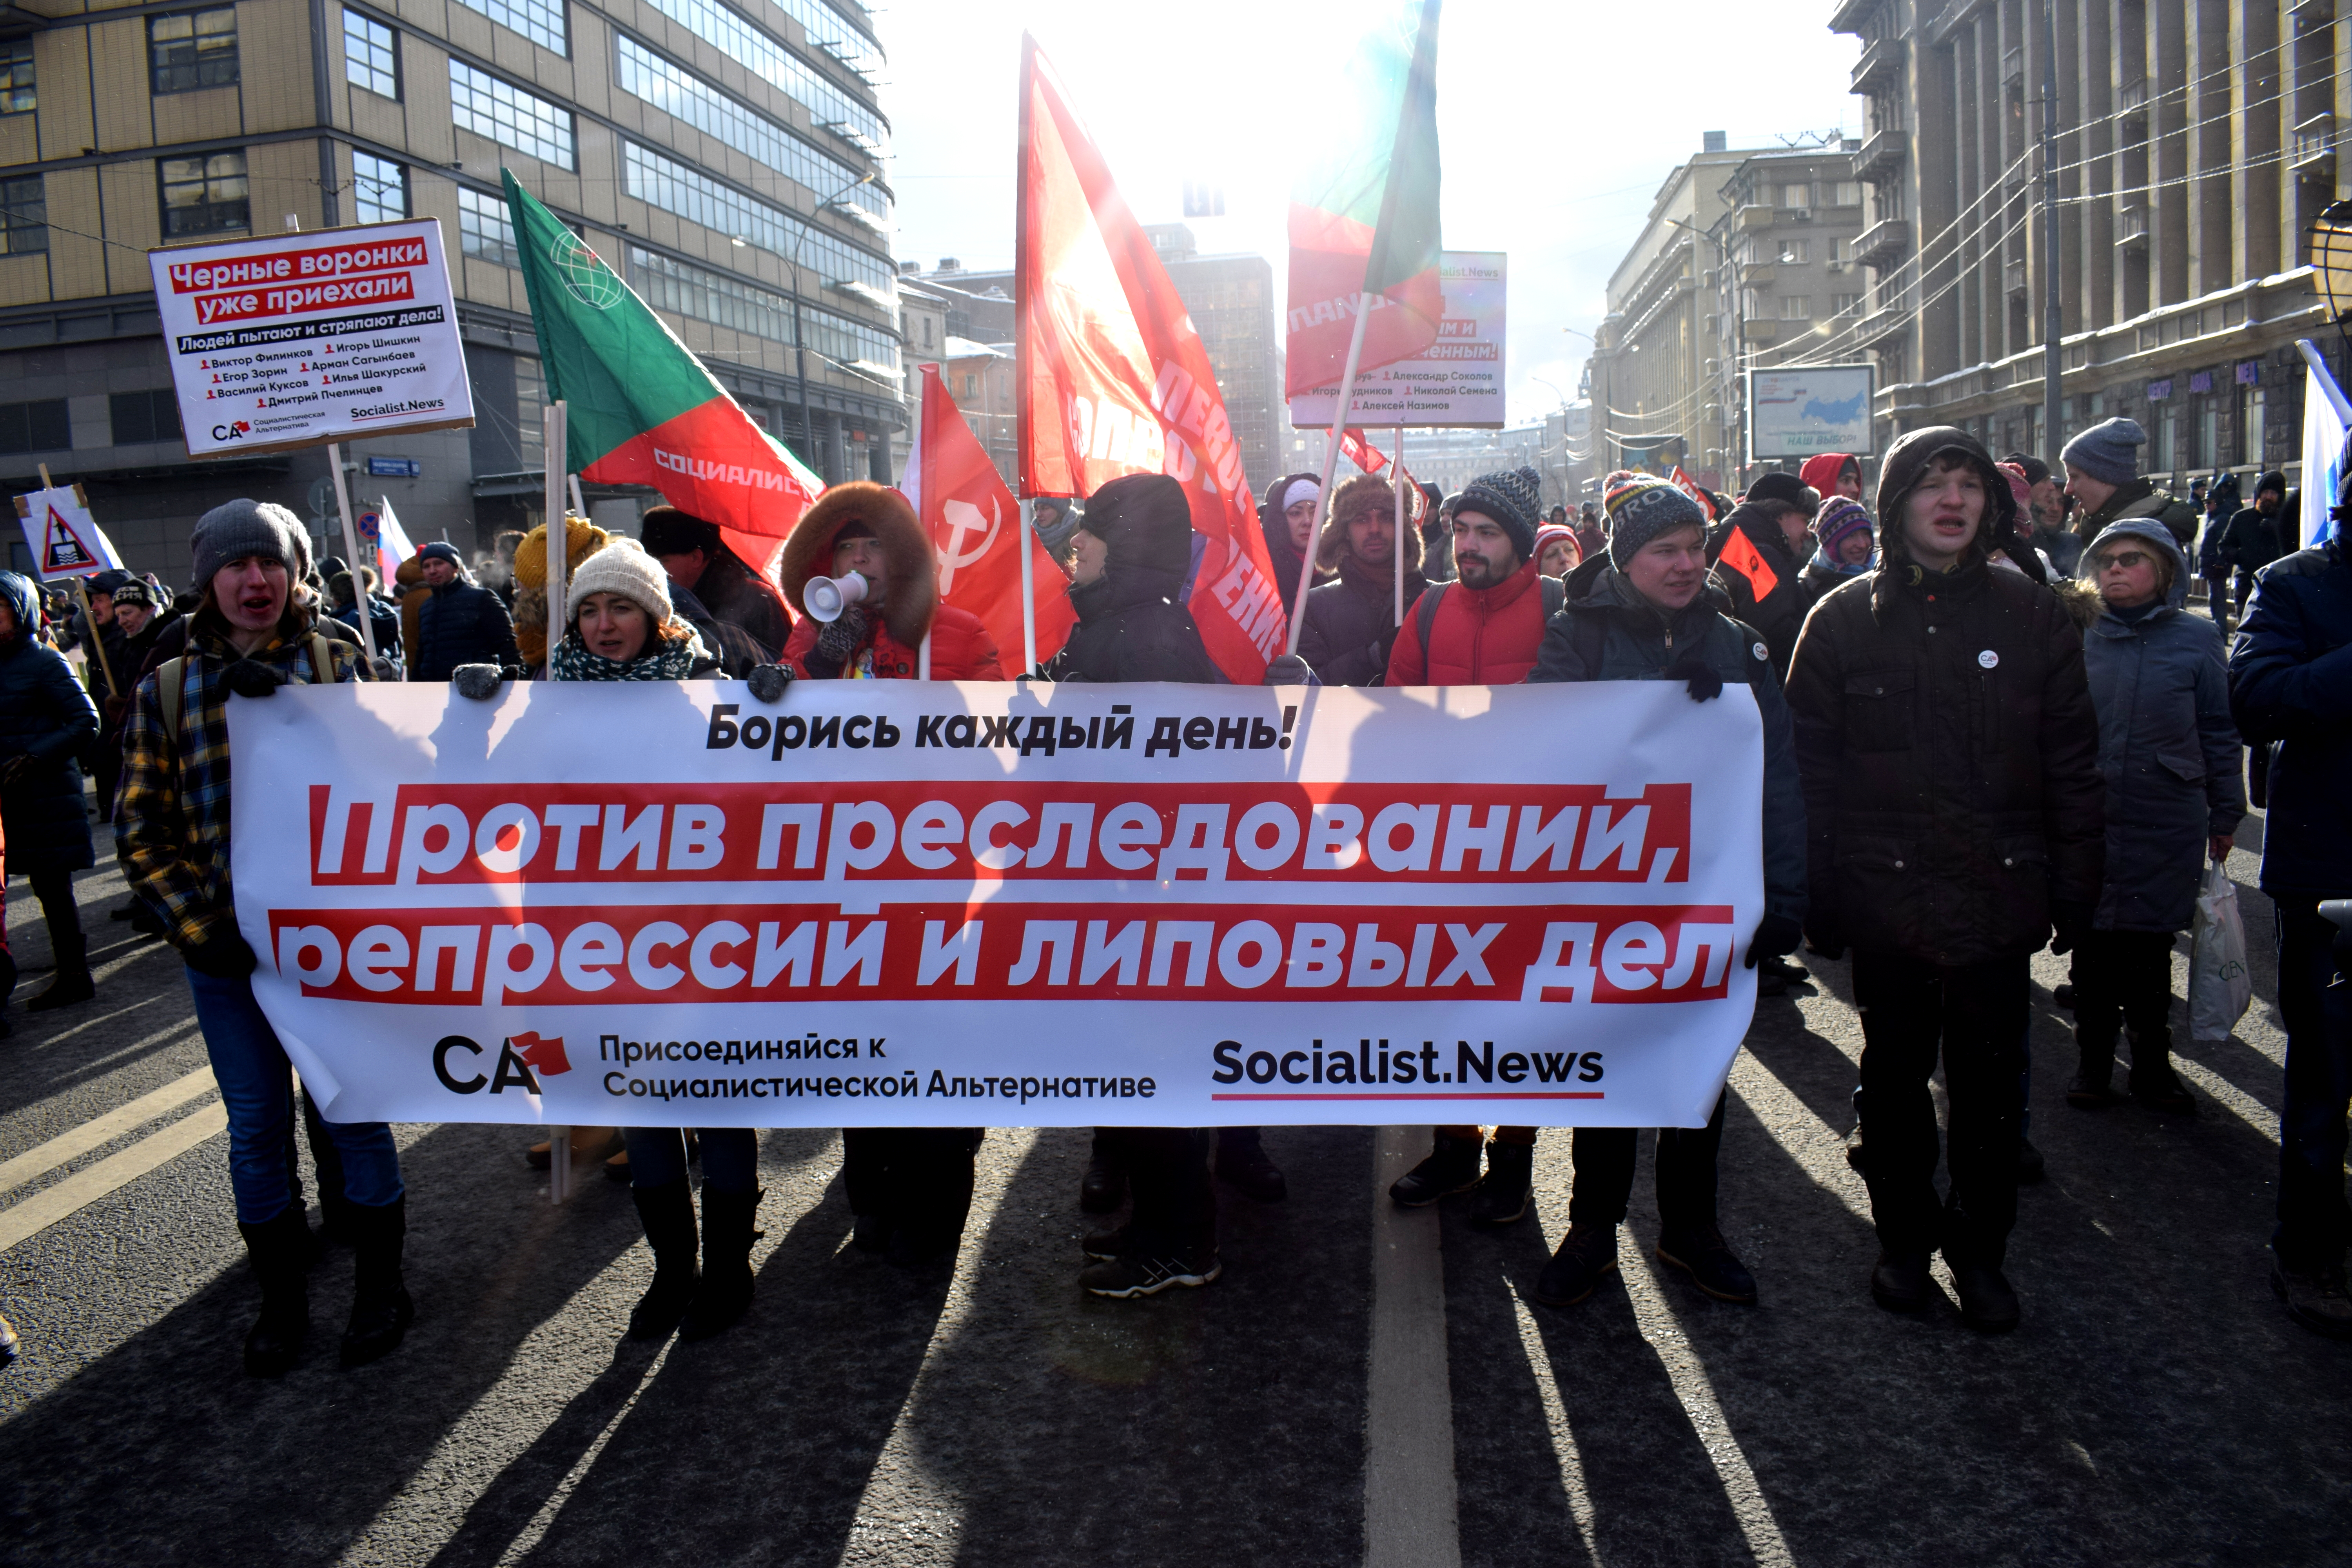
914,574
1348,502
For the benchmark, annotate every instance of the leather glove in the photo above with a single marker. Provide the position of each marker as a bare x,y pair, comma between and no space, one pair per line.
250,678
1698,677
838,641
479,681
1824,936
769,682
224,957
2069,920
1775,935
1290,670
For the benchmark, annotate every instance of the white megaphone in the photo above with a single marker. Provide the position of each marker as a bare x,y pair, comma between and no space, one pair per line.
826,597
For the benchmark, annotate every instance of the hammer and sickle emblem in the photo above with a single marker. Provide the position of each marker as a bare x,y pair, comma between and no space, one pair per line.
964,519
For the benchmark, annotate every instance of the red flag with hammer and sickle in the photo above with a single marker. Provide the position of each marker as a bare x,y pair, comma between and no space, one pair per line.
975,528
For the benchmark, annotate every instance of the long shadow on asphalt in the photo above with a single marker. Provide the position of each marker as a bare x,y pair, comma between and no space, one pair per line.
750,1447
165,1451
1221,1424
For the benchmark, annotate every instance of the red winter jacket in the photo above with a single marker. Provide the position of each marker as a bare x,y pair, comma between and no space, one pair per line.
961,649
1480,637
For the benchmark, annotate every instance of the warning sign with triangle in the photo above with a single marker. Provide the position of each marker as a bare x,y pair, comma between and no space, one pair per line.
66,541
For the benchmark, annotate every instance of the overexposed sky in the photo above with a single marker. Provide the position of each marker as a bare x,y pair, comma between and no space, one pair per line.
1558,122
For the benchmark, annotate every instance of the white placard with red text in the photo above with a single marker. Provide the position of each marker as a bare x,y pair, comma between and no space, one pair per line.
292,340
897,903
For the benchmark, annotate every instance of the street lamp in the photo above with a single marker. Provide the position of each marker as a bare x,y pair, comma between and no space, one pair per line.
800,337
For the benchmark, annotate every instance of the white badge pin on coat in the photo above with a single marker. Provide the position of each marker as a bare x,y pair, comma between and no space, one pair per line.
1988,658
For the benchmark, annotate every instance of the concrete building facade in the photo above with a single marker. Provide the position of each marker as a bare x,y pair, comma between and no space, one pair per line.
2195,146
726,156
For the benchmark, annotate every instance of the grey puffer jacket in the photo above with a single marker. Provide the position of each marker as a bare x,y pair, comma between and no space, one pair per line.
2168,748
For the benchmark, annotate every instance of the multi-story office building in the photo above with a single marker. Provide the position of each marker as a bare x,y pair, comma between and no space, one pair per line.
1231,301
1785,279
2195,145
1656,399
726,156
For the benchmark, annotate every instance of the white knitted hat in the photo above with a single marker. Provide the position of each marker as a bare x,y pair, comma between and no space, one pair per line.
621,567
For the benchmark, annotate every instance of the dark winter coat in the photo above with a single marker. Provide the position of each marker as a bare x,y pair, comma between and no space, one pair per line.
1765,587
2168,748
1951,755
47,716
384,619
1350,626
463,623
1479,637
2291,689
737,654
732,592
1821,576
1130,629
1606,631
2251,541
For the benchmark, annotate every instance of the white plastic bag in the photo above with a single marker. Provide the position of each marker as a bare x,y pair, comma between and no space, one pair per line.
2220,988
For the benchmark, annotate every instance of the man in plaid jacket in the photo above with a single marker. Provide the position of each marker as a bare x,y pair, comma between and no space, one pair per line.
250,636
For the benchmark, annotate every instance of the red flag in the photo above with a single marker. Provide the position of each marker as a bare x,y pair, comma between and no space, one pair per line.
1113,379
1690,487
544,1054
1739,553
975,528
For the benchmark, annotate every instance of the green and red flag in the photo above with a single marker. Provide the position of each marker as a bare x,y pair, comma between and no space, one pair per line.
641,409
1363,214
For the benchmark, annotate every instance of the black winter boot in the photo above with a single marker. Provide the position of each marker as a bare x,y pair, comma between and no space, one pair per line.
280,1250
1103,1187
724,1293
73,983
667,1214
1242,1162
2154,1083
934,1197
2094,1085
1502,1196
1451,1167
381,1310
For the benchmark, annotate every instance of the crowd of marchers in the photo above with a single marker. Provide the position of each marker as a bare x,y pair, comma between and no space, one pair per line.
1991,723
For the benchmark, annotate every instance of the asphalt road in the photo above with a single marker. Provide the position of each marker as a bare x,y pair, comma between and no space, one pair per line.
2155,1407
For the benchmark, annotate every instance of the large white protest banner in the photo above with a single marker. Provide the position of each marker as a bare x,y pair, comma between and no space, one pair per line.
1457,382
283,340
911,903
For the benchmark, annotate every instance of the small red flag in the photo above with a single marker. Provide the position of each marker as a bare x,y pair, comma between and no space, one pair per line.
975,528
1739,553
545,1055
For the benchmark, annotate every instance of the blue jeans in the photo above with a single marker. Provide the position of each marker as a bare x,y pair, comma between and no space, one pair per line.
257,1085
731,1157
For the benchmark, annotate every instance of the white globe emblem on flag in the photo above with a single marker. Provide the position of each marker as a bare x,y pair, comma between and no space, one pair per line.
963,518
587,278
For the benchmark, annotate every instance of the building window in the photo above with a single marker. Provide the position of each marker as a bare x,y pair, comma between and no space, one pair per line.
538,20
17,77
204,195
144,417
2168,441
691,194
510,116
2249,424
1839,305
530,411
1791,196
35,426
1793,251
1794,307
371,55
685,290
486,230
379,190
927,343
1844,194
23,216
193,50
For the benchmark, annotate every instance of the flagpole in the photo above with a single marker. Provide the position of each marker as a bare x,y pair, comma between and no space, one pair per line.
1028,596
559,1139
351,549
89,618
1330,457
1396,483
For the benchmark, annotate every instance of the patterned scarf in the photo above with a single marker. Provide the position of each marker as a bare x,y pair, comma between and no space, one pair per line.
672,658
